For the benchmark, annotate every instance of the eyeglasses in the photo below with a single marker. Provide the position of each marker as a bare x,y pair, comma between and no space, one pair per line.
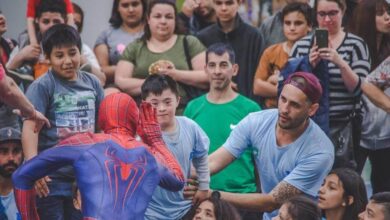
330,14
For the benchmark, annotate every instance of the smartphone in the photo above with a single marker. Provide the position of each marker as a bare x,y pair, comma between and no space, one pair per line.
321,38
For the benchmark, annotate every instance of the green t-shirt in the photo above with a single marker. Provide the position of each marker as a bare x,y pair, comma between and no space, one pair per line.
218,120
138,54
141,57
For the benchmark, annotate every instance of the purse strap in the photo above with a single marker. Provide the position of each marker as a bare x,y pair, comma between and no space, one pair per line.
187,52
356,100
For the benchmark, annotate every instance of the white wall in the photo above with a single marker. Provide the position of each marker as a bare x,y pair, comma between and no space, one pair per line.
96,13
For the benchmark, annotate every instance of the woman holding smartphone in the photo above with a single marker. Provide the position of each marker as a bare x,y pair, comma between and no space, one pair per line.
348,60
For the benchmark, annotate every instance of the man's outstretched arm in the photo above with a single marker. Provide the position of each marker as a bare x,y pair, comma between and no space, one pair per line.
260,201
11,95
220,159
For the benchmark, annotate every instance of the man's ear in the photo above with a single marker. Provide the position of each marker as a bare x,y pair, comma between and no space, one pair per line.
235,69
313,109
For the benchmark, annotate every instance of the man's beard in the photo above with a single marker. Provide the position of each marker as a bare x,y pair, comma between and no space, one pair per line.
7,173
205,17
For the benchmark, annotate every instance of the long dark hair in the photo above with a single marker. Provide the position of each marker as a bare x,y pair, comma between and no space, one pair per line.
116,19
302,208
222,209
178,28
353,185
363,24
78,10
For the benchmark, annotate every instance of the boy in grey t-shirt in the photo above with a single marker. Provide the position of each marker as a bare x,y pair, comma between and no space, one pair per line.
70,99
185,139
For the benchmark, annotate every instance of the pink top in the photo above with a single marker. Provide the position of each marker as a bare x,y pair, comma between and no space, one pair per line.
33,4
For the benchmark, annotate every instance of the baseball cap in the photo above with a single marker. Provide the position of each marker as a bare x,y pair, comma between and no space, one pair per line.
10,134
308,83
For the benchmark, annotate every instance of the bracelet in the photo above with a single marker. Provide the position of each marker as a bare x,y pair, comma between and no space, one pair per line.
216,194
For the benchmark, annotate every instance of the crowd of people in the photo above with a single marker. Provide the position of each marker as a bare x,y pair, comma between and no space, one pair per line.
203,111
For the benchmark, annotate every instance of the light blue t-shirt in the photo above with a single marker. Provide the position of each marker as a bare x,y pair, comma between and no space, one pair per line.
187,143
303,163
8,209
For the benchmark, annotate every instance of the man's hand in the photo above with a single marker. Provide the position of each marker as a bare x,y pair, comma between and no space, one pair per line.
273,79
41,187
148,128
39,119
200,196
189,6
191,188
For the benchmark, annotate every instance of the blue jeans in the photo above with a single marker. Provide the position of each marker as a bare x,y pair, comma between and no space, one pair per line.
57,208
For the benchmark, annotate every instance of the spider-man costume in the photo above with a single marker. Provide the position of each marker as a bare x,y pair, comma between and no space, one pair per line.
115,173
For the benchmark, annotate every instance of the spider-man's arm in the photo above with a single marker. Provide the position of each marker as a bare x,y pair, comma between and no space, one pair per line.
149,130
43,164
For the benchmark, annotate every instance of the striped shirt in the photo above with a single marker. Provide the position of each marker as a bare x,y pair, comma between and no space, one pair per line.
355,52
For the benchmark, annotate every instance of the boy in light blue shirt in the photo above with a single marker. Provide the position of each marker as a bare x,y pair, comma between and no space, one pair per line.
185,139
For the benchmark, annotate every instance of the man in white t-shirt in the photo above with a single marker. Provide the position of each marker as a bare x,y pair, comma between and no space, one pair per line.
293,155
10,159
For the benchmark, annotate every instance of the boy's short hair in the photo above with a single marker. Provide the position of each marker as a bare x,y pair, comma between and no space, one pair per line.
51,6
382,198
302,8
60,35
219,49
156,84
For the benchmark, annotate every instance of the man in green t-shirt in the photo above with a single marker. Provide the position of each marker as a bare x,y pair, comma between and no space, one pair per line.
218,112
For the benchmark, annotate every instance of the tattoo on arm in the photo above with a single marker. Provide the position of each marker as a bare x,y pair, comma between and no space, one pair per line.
284,191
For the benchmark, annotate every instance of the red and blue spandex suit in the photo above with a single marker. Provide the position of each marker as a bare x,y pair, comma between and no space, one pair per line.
115,173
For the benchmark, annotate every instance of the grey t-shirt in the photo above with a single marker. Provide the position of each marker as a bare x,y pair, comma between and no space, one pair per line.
116,40
71,107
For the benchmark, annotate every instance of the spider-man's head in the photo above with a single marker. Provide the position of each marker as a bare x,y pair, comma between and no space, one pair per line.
118,113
